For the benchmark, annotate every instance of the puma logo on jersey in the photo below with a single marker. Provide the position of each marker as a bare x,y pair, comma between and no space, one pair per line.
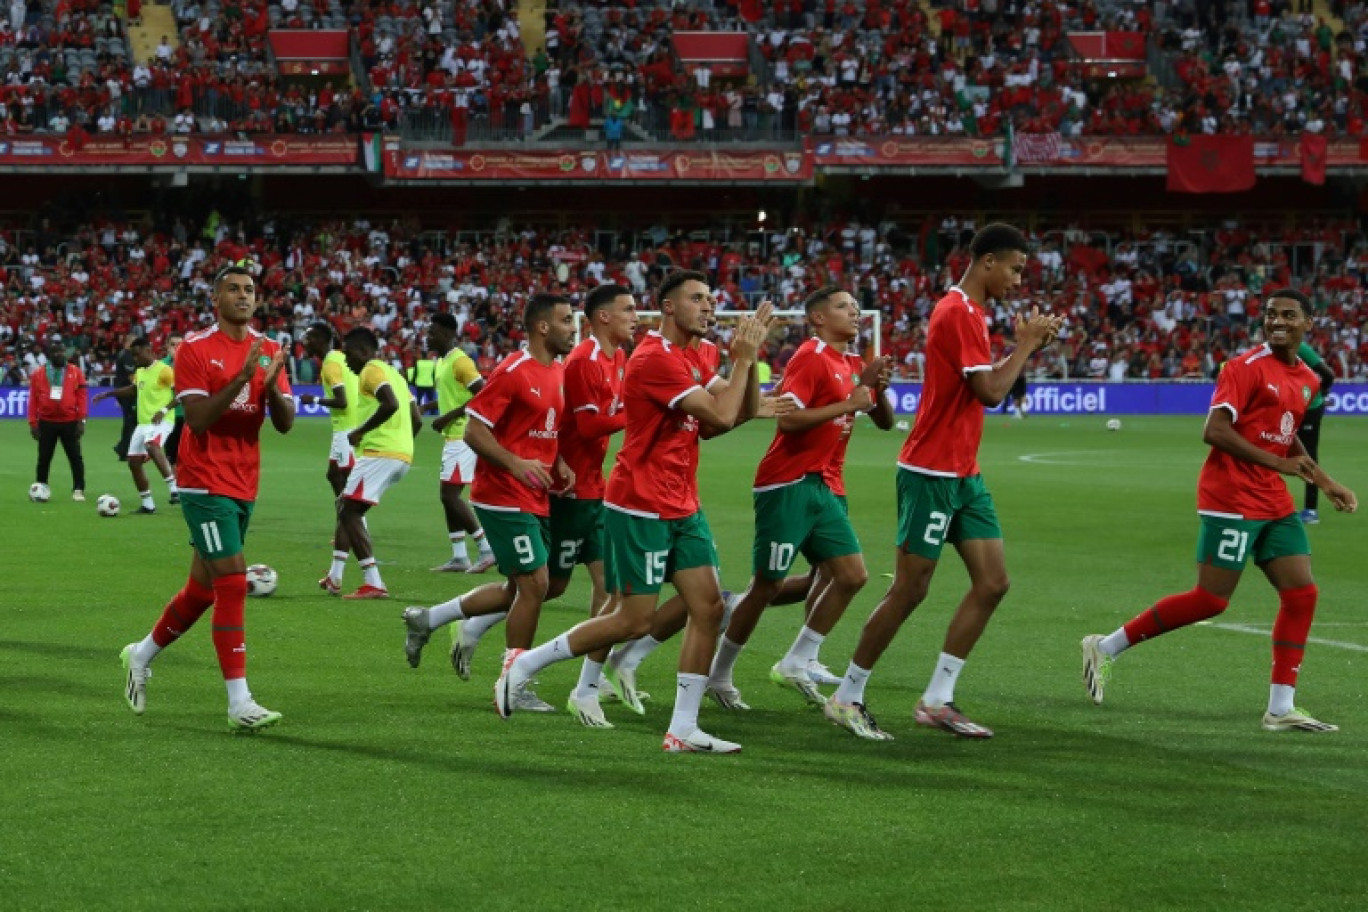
536,392
216,362
1274,388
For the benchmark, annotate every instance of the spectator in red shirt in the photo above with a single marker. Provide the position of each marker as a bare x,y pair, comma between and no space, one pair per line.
57,411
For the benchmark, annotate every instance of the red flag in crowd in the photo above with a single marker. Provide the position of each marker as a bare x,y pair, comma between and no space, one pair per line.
1313,150
1211,164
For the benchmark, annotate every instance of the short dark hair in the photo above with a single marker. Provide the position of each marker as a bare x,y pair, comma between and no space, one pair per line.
540,306
602,296
363,335
232,269
998,238
444,320
820,297
140,342
322,328
1292,294
677,278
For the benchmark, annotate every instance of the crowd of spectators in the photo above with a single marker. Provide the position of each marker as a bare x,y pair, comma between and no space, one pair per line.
1152,305
830,67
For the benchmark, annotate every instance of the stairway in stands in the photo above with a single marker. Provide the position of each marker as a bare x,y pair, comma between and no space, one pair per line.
532,25
157,20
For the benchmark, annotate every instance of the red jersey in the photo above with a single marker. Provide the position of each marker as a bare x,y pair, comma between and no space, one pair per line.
706,355
1266,398
656,473
949,425
226,458
834,473
816,376
522,403
593,412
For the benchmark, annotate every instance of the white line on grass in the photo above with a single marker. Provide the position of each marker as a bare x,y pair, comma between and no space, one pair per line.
1259,631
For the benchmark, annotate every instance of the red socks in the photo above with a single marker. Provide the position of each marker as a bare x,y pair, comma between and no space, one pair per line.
1296,608
181,613
230,639
1174,612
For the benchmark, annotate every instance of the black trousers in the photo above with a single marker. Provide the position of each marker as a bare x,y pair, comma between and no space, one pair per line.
69,433
130,423
1309,435
172,446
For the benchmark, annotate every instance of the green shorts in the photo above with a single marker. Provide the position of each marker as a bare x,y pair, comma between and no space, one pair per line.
801,518
218,524
576,534
518,540
1228,543
642,554
933,510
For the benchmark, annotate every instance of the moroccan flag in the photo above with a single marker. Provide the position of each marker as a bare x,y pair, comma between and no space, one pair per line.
1313,148
1211,164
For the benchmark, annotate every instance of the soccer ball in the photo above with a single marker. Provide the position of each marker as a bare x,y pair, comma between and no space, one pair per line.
107,505
39,492
261,580
1113,424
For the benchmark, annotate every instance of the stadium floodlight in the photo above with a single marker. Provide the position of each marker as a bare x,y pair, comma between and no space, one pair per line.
873,337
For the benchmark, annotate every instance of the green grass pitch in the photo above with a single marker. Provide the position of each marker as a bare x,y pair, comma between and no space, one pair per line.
392,788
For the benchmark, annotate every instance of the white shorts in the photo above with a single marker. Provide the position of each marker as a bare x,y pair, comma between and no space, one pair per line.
372,476
341,453
458,463
154,434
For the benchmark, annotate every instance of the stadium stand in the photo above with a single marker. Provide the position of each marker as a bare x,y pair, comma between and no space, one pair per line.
1152,304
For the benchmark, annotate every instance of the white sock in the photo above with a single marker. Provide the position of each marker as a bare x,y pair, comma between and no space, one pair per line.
146,651
852,685
371,573
804,649
688,698
1113,644
941,690
445,613
475,628
339,564
171,482
238,693
557,650
725,661
588,686
1280,698
481,541
458,548
630,655
146,498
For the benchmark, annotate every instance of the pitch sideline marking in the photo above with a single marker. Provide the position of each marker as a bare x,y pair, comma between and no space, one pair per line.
1319,641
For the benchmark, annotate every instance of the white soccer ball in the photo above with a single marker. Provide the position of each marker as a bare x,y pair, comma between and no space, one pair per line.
39,492
1113,424
107,505
261,580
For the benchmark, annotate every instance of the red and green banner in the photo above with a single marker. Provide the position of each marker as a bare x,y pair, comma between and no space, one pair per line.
172,151
678,165
1211,164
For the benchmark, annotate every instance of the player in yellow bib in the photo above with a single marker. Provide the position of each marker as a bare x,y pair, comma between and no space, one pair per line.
154,387
340,385
457,381
388,420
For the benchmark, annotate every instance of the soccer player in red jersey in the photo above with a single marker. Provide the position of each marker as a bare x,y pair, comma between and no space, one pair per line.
593,413
941,494
797,511
654,530
516,416
1246,510
227,378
